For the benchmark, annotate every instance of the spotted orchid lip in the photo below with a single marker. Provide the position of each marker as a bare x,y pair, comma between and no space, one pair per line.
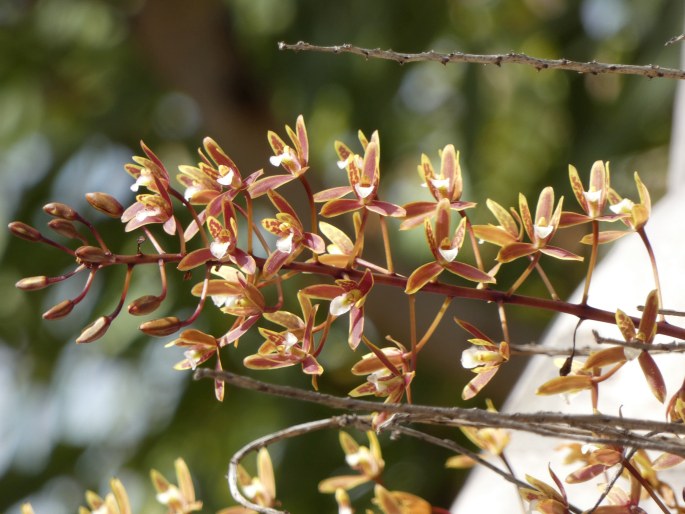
148,213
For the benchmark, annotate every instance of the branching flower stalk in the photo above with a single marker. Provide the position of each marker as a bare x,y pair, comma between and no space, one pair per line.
337,282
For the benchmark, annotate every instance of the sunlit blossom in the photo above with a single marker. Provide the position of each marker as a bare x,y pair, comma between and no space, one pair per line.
445,246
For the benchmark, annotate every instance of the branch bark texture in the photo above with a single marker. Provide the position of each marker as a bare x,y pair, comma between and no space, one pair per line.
593,67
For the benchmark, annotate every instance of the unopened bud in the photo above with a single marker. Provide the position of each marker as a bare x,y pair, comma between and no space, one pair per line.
24,231
60,210
64,228
93,255
33,283
106,204
95,330
60,310
162,326
144,305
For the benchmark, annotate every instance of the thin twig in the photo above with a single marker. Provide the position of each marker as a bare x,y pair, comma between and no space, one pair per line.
652,348
675,39
665,312
597,428
593,67
457,448
538,349
362,423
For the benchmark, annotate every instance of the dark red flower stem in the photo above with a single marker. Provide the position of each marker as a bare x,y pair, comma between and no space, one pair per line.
580,311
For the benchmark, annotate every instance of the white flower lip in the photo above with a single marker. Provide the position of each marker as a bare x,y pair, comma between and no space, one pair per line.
542,232
218,248
354,459
340,305
592,196
440,183
144,179
358,161
190,191
469,358
286,156
193,357
285,244
290,341
171,494
449,254
375,378
363,191
342,164
631,353
224,300
227,179
253,489
622,207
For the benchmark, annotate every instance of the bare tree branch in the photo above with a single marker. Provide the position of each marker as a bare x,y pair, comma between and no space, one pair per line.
652,348
596,428
593,67
675,39
550,351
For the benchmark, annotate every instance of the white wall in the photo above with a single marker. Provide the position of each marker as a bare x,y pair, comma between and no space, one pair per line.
622,280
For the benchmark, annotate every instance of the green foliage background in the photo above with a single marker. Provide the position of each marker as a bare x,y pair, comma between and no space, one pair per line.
82,81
